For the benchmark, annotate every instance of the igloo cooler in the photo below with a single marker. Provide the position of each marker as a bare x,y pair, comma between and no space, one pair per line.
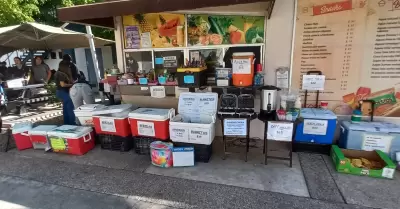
20,132
195,123
39,138
74,140
84,113
113,120
318,127
152,122
370,136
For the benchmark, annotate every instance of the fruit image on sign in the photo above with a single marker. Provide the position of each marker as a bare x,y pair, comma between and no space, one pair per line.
164,29
216,30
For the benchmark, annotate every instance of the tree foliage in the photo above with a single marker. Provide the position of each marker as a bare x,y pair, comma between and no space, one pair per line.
14,12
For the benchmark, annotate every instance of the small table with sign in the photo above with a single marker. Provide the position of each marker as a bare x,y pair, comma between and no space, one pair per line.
237,127
283,131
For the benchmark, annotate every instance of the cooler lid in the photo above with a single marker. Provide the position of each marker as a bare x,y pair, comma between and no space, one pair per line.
152,113
42,129
114,109
242,54
69,131
90,107
317,113
161,145
21,127
381,127
198,103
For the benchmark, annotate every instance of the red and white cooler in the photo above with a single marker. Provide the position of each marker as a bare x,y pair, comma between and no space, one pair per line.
20,132
39,138
74,140
151,122
84,113
113,120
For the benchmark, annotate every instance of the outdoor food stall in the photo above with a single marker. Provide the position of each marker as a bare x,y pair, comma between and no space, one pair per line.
198,73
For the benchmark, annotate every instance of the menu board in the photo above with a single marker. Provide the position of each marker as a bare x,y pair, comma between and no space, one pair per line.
154,30
356,45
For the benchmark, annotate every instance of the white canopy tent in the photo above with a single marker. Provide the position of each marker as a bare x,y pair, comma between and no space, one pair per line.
38,36
34,35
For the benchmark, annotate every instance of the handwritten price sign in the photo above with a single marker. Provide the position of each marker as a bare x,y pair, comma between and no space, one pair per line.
313,82
280,131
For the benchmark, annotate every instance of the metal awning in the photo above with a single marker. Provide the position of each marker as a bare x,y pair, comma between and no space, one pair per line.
101,14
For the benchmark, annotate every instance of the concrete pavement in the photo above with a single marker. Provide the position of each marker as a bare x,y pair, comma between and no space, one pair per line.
33,182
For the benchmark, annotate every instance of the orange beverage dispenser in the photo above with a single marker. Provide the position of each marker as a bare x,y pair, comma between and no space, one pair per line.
243,68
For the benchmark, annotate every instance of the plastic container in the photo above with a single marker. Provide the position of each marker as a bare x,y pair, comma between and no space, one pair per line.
151,122
21,135
142,144
243,68
370,136
113,120
195,122
116,143
161,154
74,140
39,137
84,113
191,77
318,127
202,153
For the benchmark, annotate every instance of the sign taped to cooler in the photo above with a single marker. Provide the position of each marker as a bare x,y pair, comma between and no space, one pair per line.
356,45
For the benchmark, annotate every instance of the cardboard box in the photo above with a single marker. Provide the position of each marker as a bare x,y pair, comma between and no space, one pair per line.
342,161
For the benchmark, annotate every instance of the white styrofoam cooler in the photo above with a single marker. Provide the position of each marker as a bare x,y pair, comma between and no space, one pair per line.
85,112
195,122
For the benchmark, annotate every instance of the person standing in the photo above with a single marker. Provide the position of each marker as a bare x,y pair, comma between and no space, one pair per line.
64,82
19,70
67,59
81,92
40,72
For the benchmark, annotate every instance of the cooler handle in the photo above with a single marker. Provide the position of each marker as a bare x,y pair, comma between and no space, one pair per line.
89,138
171,113
24,134
372,102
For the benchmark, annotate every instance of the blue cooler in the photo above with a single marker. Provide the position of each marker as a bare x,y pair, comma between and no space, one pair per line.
318,127
370,136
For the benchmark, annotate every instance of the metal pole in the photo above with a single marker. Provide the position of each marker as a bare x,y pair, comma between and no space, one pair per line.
94,57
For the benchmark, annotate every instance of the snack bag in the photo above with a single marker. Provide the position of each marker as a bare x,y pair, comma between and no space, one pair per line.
350,100
362,93
384,100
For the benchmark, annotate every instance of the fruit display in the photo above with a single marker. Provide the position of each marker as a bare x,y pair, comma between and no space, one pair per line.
217,30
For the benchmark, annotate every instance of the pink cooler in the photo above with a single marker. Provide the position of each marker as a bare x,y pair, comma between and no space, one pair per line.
21,135
39,138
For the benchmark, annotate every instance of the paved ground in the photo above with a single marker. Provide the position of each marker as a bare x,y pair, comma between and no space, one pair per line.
34,182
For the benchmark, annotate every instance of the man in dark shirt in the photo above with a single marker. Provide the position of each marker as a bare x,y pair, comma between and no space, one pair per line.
67,59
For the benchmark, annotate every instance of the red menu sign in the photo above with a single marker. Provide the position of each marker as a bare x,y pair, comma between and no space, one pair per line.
332,7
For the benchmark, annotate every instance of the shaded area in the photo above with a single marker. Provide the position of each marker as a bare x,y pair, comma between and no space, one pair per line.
319,180
21,193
